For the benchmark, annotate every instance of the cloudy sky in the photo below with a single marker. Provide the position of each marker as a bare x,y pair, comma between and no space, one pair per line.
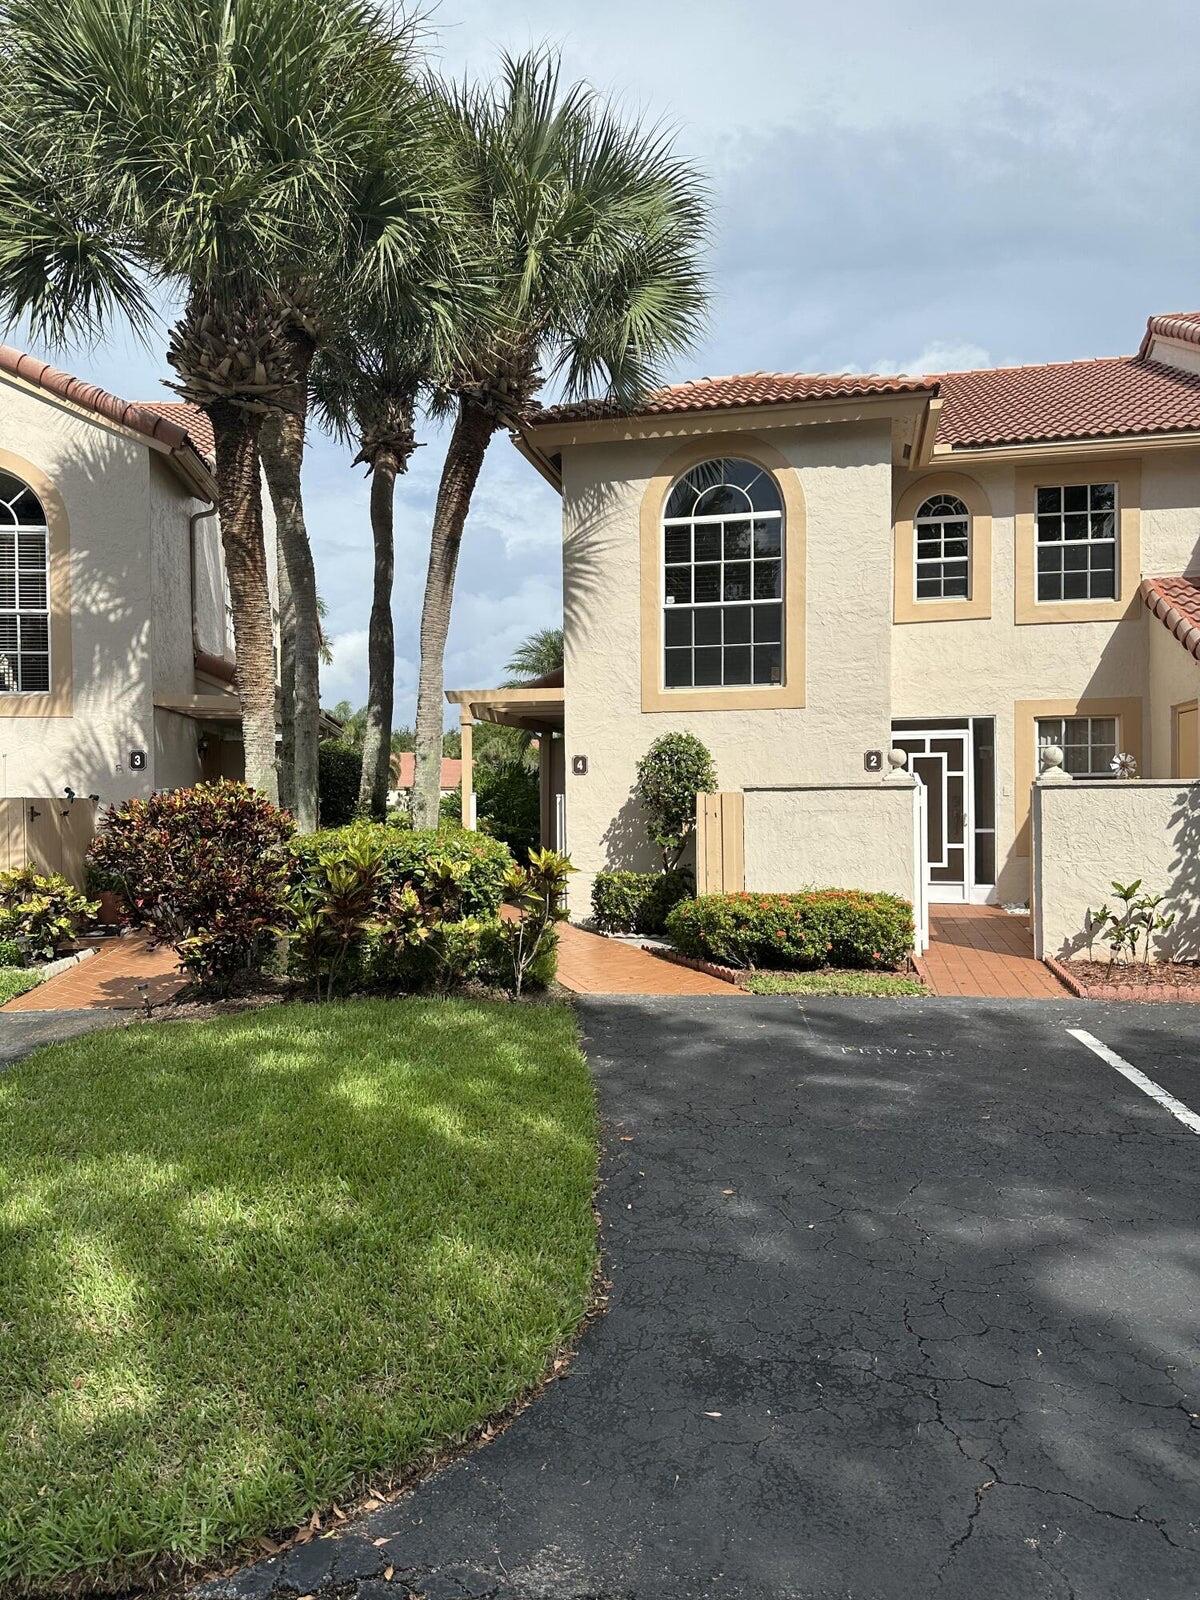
895,188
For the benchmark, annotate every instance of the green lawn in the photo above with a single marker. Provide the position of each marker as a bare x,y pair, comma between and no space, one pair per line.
15,981
868,983
247,1264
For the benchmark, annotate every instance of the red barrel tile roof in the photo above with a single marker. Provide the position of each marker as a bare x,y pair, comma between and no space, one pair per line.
171,423
1096,399
744,389
1176,604
1184,325
1106,397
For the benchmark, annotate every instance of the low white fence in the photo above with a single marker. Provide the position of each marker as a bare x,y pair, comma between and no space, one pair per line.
1086,833
844,836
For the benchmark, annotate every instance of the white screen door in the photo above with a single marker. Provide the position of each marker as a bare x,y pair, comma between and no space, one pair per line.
941,758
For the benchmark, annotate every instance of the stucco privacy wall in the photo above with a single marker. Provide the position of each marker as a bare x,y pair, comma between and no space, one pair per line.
844,473
852,836
1088,834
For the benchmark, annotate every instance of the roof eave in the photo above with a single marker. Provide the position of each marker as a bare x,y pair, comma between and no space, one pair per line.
1076,444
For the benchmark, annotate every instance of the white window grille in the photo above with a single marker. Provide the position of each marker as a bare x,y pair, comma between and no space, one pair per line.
24,590
1088,744
723,577
1077,542
942,544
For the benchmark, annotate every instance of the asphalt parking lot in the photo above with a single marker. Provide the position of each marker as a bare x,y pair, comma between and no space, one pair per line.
903,1304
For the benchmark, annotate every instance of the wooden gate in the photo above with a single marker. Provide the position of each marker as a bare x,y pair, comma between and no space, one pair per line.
720,859
50,835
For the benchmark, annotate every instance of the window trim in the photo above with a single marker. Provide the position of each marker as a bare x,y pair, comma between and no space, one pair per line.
1126,474
1064,543
791,692
1108,775
721,604
57,701
940,560
978,604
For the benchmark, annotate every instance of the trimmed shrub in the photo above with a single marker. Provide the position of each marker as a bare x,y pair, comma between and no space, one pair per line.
206,868
638,902
406,855
676,768
12,953
816,928
41,912
339,772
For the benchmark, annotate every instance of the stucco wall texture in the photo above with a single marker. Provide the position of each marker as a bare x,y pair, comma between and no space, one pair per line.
845,477
1088,834
131,627
863,670
857,836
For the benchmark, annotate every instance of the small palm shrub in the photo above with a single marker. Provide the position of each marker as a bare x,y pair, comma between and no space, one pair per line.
816,928
638,902
206,868
41,912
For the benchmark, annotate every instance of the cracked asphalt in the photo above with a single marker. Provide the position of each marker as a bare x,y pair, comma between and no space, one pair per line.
903,1304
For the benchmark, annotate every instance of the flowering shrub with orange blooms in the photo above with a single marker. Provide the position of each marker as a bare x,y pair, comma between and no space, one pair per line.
816,928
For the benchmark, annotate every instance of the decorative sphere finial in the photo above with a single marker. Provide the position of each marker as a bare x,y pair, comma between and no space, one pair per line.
897,759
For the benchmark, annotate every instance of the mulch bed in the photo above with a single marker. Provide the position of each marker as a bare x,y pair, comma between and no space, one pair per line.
1103,980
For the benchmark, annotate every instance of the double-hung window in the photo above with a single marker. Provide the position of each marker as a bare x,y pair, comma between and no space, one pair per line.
942,538
723,577
1088,744
24,590
1077,542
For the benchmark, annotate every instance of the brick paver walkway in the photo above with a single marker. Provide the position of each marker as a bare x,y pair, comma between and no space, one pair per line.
110,980
982,950
590,964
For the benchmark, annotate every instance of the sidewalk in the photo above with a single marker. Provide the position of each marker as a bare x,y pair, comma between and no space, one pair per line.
125,974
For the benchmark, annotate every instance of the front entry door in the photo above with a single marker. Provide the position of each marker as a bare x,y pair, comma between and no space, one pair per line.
941,758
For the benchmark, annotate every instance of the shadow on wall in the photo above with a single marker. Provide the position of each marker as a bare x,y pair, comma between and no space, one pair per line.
627,845
1183,895
594,540
101,483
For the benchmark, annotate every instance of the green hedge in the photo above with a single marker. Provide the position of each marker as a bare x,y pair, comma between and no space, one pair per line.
407,852
638,902
817,928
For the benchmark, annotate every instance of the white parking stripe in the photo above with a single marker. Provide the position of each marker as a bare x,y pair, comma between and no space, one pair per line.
1147,1085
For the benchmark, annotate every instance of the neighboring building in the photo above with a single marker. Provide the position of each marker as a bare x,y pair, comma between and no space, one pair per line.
116,651
807,570
403,768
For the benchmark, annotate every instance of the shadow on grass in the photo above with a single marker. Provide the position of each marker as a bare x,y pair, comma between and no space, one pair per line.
248,1263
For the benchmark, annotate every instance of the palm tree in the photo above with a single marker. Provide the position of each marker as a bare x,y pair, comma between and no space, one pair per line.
592,231
367,392
536,657
208,150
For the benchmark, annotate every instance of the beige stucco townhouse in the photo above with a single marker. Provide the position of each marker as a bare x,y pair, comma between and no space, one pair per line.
808,571
116,655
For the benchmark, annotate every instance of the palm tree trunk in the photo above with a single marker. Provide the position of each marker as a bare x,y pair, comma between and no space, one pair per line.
283,456
381,645
473,429
239,506
287,682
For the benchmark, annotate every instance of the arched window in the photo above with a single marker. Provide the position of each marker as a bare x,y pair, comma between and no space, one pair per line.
942,528
24,590
723,577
